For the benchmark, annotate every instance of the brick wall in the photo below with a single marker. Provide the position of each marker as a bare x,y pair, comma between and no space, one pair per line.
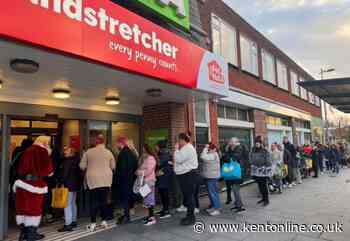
213,114
175,117
247,82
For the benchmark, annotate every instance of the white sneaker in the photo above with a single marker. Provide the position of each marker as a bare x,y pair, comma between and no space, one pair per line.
196,210
151,221
215,213
181,209
104,224
91,227
294,184
300,182
209,210
290,185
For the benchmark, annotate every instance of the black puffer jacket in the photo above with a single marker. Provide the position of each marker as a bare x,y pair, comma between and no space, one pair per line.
165,169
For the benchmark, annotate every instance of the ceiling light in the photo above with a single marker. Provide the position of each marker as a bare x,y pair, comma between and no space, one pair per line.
60,93
24,66
154,92
112,100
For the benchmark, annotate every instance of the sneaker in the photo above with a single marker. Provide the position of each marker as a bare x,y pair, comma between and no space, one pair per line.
104,224
241,209
290,186
181,209
294,184
228,202
300,182
91,227
215,213
196,210
74,224
151,221
123,220
65,228
209,210
284,186
164,215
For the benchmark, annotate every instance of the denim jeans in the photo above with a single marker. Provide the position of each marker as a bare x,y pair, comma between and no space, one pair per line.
70,212
213,191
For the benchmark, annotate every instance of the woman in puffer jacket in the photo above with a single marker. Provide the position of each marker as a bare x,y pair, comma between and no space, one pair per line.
211,172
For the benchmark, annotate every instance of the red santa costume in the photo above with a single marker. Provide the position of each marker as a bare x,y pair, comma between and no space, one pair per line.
30,188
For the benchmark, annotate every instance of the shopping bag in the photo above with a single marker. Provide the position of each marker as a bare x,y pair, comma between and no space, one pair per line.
59,197
285,170
231,171
138,184
309,163
145,190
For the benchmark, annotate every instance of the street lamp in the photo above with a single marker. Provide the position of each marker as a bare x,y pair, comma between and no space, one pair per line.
323,71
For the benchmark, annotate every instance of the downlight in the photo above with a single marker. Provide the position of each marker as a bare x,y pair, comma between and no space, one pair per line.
60,93
112,100
24,66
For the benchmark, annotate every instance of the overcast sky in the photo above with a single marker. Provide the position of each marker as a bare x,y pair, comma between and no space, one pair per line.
314,33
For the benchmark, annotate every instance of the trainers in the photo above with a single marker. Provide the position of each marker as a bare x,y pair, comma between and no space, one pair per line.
241,209
215,213
164,215
104,224
65,228
188,221
181,209
91,227
150,221
196,210
209,210
290,186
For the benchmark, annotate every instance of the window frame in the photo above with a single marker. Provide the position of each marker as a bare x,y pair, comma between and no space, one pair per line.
252,45
264,54
282,66
219,28
294,84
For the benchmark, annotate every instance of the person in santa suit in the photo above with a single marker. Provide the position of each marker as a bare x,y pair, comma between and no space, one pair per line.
31,187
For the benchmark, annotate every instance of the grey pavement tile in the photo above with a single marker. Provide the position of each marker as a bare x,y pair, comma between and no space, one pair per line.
270,237
306,238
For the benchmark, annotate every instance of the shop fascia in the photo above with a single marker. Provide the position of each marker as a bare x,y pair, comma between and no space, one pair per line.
100,19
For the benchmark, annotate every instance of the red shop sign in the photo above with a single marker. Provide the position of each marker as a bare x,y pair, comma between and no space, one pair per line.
107,33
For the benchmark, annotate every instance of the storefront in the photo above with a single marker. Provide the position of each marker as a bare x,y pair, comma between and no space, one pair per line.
75,69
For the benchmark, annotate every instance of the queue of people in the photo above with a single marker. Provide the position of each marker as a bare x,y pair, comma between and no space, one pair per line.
132,175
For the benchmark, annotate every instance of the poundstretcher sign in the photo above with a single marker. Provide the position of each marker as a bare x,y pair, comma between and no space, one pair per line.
107,33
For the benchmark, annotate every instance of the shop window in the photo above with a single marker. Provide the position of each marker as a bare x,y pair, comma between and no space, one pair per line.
277,121
129,130
249,55
269,68
44,124
294,82
231,113
221,111
71,134
282,75
242,115
202,136
20,123
96,128
224,40
201,110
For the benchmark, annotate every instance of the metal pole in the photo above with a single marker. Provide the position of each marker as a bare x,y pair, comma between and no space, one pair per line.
4,176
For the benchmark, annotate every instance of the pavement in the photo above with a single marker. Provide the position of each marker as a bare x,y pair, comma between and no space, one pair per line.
324,200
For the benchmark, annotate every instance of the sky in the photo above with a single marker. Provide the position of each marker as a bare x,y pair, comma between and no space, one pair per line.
314,33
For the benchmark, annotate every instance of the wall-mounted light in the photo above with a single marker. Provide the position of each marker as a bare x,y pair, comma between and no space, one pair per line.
24,66
112,100
1,84
61,93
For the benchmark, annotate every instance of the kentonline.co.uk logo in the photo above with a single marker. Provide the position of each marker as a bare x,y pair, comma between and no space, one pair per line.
216,73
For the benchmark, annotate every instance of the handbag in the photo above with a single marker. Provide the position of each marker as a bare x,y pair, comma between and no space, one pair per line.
59,197
309,163
231,171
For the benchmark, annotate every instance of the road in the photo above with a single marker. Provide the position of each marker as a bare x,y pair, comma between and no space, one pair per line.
317,201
